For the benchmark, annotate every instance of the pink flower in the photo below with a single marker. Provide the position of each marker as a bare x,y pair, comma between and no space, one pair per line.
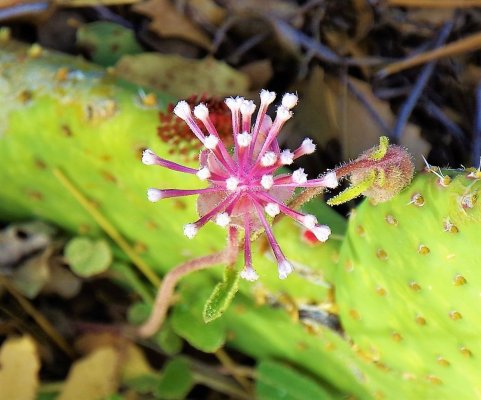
243,189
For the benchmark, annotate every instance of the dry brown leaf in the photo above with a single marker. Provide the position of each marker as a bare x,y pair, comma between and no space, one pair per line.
169,23
19,366
327,110
182,77
208,10
259,72
93,377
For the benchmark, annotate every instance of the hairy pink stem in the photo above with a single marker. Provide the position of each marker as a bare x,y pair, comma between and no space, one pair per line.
166,290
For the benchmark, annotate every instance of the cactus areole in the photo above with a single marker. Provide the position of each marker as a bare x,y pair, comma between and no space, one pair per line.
243,189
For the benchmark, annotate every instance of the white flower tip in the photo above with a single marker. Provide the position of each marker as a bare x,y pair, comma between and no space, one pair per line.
299,177
247,107
267,181
201,111
321,232
244,139
267,97
330,180
289,100
182,110
239,101
232,183
287,157
268,159
149,157
211,142
231,103
222,219
154,195
309,221
203,173
308,146
283,113
272,209
284,269
190,230
249,274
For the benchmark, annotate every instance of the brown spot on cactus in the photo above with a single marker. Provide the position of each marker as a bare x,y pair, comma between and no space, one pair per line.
140,247
25,96
391,220
84,228
468,201
381,291
423,249
66,131
379,396
348,266
465,351
442,361
61,74
414,286
434,380
35,195
148,99
100,110
459,280
40,164
354,314
420,320
455,315
417,200
396,336
108,176
381,254
360,230
408,376
330,346
448,226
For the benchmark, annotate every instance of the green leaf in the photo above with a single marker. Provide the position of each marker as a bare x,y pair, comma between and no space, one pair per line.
177,380
187,319
277,381
107,42
88,257
222,295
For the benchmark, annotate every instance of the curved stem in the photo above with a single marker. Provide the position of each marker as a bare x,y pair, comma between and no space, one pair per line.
166,290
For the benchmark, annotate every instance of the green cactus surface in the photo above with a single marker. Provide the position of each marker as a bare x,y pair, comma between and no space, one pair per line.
408,286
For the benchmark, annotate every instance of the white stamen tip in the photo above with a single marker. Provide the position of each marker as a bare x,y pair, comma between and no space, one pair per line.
249,274
222,219
244,139
289,100
201,111
231,103
308,146
309,221
330,180
287,157
299,177
283,113
190,230
267,181
149,157
267,97
203,173
247,107
321,232
211,142
268,159
284,269
182,110
232,183
154,195
239,101
272,209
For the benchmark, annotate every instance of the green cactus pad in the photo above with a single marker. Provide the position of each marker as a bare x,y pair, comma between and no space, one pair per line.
408,287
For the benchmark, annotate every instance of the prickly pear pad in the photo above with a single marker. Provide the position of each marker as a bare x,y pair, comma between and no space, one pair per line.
409,283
